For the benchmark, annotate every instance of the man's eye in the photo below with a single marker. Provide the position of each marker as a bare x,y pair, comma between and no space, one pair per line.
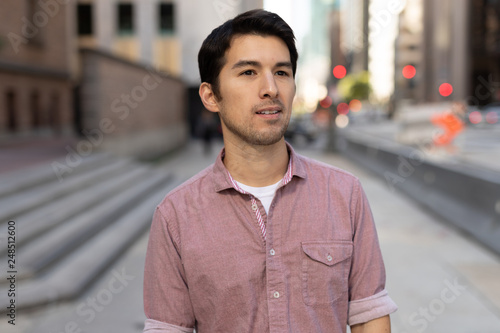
248,72
281,73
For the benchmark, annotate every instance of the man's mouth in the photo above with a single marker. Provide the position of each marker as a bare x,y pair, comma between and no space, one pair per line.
268,112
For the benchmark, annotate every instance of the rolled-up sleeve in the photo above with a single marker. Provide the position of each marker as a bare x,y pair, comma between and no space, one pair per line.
154,326
376,306
368,298
167,303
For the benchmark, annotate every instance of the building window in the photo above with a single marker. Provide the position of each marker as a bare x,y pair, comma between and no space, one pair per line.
35,36
166,18
54,113
35,109
125,19
11,111
84,19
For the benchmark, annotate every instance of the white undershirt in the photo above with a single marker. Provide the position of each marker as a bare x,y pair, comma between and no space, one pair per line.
264,194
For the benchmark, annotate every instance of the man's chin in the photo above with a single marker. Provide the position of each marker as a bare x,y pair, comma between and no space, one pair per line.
266,140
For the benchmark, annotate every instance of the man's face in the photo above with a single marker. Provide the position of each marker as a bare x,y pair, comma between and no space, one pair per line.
257,88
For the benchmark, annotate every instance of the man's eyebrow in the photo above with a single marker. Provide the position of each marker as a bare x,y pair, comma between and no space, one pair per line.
284,64
244,63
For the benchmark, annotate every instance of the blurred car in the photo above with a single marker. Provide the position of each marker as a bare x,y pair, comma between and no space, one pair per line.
488,115
492,113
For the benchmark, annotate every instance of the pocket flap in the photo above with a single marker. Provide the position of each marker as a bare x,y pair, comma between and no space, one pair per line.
328,253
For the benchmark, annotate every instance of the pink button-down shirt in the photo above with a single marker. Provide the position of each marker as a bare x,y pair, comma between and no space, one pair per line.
319,268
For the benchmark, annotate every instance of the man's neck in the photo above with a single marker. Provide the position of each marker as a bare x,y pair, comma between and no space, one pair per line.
256,165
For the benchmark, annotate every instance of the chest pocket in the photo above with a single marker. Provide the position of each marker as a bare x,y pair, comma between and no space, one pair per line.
325,271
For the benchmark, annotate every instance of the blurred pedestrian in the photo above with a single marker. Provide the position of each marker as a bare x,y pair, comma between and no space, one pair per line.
206,130
264,240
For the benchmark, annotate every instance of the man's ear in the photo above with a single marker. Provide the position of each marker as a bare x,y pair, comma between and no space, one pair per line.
208,97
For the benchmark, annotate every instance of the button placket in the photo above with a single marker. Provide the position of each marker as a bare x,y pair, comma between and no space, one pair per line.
260,220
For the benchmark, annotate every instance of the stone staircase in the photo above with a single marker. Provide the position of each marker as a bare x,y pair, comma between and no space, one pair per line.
68,232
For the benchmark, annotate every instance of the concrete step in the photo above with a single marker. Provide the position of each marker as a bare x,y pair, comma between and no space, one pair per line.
15,204
16,181
75,272
35,222
44,251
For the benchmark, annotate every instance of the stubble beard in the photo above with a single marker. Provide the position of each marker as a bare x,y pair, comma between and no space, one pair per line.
252,136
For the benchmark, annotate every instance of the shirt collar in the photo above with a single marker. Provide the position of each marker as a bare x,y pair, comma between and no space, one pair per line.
222,178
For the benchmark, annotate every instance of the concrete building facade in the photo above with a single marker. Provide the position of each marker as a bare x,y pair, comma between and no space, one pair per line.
144,31
456,42
130,109
355,33
130,75
409,52
35,69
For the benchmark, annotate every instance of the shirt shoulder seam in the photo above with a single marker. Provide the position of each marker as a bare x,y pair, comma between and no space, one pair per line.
174,235
354,204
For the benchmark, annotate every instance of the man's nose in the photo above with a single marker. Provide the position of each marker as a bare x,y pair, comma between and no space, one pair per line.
268,89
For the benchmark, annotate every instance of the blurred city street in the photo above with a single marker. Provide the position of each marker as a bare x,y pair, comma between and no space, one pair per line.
100,117
441,279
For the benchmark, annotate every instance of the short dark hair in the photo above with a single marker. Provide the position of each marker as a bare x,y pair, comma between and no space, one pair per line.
211,57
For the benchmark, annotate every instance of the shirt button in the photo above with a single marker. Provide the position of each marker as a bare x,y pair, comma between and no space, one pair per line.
272,252
276,294
329,258
254,207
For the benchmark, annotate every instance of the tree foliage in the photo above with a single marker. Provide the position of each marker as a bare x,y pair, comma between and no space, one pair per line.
355,86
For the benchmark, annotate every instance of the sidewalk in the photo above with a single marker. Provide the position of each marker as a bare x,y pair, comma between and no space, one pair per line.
441,280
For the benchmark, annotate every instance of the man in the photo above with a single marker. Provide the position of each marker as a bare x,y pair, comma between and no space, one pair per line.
264,240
